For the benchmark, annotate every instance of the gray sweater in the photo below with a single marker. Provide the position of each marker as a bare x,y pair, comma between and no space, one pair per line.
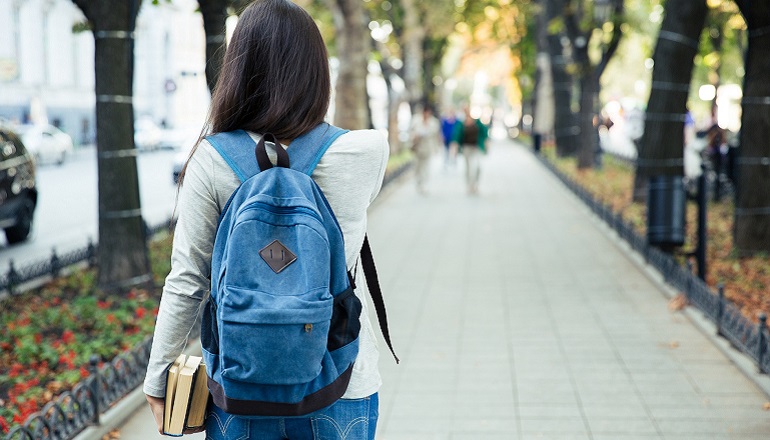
350,175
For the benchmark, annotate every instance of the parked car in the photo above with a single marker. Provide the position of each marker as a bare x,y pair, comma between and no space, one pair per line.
46,143
18,190
147,135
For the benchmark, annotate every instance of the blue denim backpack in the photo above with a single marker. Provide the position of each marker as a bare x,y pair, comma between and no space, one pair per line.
280,328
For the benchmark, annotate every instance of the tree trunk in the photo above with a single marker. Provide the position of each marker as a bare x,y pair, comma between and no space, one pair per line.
661,151
566,129
122,253
589,103
353,40
412,41
214,14
752,210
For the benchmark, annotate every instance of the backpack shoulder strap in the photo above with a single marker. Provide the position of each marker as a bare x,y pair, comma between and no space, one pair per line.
230,145
305,151
370,273
304,154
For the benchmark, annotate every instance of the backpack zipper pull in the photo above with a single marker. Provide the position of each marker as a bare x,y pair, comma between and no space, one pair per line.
308,328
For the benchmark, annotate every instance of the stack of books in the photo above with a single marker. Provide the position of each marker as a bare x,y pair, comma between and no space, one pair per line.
187,395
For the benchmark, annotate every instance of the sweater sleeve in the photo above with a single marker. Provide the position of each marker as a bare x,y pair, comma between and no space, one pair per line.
188,283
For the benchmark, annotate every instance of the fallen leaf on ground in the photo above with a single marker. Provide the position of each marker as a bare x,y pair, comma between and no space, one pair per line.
677,303
766,406
673,344
113,435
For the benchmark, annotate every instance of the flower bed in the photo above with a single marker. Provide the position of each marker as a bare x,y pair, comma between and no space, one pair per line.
746,280
50,333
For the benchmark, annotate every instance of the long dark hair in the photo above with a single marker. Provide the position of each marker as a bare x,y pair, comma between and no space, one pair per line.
275,76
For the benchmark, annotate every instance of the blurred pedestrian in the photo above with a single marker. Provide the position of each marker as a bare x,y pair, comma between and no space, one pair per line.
471,137
261,89
425,133
448,122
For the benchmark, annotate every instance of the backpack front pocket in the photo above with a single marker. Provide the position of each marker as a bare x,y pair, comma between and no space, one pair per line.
279,346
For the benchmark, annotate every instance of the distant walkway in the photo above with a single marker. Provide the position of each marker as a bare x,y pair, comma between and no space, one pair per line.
516,318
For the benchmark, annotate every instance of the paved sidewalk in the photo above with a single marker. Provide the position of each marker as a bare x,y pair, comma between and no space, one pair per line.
516,317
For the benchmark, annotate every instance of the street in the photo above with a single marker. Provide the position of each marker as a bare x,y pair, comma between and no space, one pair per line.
67,212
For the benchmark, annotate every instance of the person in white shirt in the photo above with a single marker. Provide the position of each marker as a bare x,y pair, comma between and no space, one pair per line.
275,79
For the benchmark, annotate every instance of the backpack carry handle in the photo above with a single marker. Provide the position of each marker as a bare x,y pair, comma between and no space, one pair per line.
261,152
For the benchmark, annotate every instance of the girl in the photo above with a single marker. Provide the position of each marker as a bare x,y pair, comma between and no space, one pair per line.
275,79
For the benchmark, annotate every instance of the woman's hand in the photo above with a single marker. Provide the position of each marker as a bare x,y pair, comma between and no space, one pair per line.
157,406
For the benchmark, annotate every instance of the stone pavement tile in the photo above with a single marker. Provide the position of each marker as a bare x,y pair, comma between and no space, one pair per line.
628,407
715,427
669,398
708,412
529,411
555,425
554,436
614,436
625,426
414,425
403,435
484,435
411,404
483,424
710,436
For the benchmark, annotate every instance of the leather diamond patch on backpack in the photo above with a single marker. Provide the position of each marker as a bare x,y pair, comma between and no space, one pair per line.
277,256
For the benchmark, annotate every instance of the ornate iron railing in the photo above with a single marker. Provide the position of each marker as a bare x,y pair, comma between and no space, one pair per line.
746,336
73,411
12,280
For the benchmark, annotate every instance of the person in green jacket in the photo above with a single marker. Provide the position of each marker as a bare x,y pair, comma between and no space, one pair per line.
471,137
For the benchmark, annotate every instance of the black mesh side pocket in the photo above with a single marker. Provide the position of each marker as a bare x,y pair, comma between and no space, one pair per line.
346,322
209,330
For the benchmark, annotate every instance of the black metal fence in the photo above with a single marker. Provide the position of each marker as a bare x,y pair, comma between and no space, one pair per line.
742,333
13,280
73,411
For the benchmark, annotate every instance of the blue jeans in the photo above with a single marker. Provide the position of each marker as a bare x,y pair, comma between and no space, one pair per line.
347,419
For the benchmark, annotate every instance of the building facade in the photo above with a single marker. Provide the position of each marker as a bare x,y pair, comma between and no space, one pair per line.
47,66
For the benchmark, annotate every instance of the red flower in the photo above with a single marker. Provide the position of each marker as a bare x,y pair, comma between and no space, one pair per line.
56,301
68,337
6,346
18,419
16,369
131,294
67,359
38,338
83,372
103,304
111,319
11,326
140,312
4,426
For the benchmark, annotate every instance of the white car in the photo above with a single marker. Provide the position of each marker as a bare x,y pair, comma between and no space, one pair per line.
147,134
46,143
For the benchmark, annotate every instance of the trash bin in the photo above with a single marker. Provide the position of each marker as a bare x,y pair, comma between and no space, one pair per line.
666,212
537,139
